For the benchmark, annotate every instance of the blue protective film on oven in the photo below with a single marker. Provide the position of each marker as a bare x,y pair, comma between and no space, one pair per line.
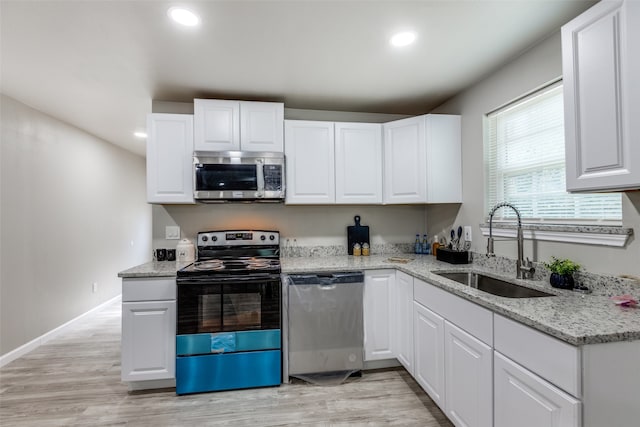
227,342
191,344
223,342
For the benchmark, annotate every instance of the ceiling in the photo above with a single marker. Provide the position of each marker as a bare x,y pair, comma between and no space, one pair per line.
99,64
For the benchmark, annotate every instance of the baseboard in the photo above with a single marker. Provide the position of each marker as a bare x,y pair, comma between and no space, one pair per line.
37,342
151,384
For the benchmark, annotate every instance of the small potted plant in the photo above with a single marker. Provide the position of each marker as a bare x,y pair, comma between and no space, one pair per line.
562,272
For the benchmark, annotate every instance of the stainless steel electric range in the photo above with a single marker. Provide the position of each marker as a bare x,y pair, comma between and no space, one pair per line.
229,311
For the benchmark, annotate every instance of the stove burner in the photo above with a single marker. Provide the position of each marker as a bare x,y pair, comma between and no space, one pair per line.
210,265
233,264
222,254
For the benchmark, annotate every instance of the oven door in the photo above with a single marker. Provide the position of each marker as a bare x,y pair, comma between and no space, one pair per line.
232,304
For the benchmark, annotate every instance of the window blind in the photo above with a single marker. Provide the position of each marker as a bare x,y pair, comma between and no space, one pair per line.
525,165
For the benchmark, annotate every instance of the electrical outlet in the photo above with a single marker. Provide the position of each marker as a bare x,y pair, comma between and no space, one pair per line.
172,232
467,233
94,287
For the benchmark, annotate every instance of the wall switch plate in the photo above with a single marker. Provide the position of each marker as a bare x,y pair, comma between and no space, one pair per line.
94,287
467,233
172,232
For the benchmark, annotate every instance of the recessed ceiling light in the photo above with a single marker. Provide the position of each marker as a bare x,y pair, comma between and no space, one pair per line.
140,134
403,39
183,16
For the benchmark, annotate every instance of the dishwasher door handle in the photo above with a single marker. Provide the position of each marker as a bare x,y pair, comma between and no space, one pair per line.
327,287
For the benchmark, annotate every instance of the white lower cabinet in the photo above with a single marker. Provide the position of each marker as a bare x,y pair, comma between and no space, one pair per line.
523,399
468,379
377,311
428,341
403,314
148,330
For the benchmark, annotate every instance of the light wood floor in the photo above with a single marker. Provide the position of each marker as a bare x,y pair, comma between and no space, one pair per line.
74,380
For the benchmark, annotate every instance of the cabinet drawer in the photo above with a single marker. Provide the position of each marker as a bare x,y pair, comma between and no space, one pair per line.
548,357
474,319
151,289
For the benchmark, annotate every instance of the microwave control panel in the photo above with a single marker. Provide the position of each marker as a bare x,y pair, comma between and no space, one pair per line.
272,177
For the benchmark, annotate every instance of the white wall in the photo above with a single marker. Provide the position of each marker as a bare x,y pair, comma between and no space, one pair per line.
309,225
73,212
534,68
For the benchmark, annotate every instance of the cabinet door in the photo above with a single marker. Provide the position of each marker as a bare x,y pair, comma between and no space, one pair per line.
404,161
428,329
601,66
170,158
309,150
216,125
377,311
444,158
262,126
523,399
358,163
468,379
148,340
403,327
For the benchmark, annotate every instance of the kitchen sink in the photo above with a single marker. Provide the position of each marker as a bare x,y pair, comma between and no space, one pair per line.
492,285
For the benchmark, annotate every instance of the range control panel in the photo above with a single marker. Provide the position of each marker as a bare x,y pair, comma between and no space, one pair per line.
238,238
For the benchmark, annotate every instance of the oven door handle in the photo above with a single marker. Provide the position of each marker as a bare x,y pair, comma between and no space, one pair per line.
228,279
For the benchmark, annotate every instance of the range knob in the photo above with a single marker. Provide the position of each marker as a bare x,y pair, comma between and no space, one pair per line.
272,237
263,237
214,238
205,238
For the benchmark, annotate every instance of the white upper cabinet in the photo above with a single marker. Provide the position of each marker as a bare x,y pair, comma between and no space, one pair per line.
169,158
331,162
261,126
405,178
358,163
601,66
422,160
217,125
222,125
310,151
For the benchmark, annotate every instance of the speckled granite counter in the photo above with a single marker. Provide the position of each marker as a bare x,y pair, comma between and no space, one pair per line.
153,269
574,318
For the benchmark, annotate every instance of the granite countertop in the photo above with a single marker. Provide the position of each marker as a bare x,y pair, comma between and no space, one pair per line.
572,317
153,269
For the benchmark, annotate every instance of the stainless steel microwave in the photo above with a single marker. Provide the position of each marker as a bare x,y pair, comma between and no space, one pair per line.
230,176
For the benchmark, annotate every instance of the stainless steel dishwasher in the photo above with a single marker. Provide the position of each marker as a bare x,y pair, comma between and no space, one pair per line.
325,326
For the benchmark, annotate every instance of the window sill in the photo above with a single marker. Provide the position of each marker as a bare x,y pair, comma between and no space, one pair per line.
583,234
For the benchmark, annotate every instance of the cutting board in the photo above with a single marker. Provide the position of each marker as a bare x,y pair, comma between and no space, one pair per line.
356,234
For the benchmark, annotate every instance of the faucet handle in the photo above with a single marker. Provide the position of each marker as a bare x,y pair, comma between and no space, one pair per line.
529,268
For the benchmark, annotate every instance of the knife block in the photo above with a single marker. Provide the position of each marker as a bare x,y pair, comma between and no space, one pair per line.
452,257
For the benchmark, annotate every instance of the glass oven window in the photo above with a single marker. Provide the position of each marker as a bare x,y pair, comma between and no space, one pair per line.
224,177
231,307
210,310
242,312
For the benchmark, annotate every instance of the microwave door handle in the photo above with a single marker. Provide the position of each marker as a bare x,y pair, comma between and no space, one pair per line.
260,177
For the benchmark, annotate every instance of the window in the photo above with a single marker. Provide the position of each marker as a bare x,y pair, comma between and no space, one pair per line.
525,165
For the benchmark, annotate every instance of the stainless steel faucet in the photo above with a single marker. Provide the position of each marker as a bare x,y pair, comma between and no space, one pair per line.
524,269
